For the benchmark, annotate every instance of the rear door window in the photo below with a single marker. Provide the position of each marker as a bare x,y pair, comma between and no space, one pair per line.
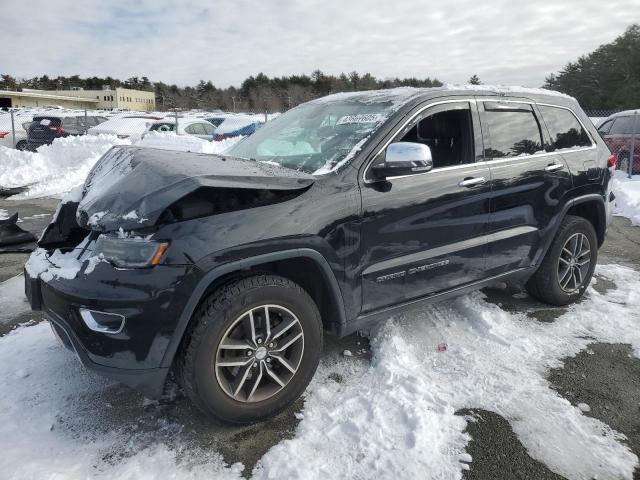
513,129
565,129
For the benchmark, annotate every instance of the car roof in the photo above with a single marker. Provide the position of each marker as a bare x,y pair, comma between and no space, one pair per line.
406,96
626,113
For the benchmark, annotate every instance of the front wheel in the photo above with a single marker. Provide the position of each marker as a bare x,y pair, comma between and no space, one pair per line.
252,350
21,145
568,266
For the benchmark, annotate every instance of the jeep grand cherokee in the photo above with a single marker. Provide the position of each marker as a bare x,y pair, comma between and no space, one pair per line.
225,270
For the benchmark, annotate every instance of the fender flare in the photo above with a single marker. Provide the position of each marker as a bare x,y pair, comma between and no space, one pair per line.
214,274
555,225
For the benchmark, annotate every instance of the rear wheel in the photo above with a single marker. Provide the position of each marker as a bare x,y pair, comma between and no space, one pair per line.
568,266
253,348
21,145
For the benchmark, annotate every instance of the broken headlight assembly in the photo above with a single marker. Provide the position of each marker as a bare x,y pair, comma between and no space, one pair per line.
129,252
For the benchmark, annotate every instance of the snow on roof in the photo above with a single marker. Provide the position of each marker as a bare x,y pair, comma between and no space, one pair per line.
507,89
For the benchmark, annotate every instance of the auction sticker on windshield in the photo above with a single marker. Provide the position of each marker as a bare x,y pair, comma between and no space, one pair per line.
361,118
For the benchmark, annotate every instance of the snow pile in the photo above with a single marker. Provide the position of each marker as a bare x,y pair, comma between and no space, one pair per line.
627,192
393,419
185,143
54,168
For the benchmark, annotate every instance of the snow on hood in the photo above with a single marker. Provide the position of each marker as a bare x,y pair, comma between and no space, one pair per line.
130,187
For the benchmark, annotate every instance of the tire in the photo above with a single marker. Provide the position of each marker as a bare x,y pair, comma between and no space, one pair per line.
547,283
222,321
21,145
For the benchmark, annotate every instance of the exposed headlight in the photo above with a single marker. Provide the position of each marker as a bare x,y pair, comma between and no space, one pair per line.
130,252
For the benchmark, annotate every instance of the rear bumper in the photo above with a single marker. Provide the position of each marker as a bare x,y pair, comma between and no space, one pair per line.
151,301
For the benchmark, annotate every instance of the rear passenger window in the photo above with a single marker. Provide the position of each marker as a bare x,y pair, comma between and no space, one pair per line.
513,130
564,128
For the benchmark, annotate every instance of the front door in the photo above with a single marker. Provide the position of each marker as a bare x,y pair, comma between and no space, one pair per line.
424,233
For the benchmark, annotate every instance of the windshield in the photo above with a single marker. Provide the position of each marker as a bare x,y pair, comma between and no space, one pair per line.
316,137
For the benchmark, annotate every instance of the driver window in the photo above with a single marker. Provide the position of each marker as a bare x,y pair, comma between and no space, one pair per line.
448,131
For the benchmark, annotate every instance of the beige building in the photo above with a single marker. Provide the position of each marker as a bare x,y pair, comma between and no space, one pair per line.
107,99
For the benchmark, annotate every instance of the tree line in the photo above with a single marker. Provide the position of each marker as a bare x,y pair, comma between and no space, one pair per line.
255,94
607,78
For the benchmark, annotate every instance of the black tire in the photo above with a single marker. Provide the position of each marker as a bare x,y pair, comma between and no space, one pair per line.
21,145
545,283
196,369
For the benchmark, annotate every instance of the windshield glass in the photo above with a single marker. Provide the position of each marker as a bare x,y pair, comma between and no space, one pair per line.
319,136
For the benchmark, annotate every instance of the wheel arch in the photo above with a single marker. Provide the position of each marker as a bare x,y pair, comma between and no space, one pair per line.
305,266
590,208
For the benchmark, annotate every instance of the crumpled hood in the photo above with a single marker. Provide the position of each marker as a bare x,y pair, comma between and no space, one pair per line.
130,187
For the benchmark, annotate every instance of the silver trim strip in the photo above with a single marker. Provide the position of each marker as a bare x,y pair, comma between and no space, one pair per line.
424,255
91,323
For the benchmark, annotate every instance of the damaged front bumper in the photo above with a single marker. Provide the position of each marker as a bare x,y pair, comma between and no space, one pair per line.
149,303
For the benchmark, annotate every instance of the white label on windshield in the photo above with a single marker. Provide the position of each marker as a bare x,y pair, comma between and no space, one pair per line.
362,118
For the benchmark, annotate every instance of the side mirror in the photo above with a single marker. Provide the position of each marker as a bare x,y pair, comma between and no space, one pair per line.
404,158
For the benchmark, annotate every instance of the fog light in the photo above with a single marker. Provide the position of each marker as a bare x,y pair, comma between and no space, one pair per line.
101,321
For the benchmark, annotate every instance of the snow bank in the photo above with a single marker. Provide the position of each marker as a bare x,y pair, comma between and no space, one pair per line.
55,168
185,143
392,419
627,192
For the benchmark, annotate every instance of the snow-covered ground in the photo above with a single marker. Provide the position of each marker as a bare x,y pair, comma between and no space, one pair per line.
393,418
627,192
57,168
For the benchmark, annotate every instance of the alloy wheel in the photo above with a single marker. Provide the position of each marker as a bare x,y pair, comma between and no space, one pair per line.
259,353
574,262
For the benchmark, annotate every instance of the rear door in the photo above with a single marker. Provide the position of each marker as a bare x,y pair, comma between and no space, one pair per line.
425,233
527,182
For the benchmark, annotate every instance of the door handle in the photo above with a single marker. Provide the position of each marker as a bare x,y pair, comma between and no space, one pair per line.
553,167
472,182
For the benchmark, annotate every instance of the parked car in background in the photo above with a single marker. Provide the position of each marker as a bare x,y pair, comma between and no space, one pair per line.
237,126
618,133
6,131
218,118
44,129
196,127
130,126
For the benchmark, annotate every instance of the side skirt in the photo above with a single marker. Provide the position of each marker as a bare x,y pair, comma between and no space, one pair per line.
370,318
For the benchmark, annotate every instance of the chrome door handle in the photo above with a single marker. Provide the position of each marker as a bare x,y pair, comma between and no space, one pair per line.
472,182
554,167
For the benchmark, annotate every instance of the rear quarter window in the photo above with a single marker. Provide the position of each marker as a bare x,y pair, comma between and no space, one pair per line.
565,129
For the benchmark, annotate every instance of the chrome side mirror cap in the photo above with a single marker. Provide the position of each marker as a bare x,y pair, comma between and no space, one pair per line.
404,158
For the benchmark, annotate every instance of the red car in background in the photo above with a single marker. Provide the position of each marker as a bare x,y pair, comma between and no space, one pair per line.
618,133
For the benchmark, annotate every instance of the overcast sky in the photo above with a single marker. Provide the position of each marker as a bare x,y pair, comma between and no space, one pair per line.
503,41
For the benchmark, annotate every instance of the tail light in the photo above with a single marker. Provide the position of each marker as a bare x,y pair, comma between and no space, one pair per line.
612,161
59,130
3,134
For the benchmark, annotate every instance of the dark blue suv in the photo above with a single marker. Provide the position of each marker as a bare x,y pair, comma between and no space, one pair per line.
224,271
